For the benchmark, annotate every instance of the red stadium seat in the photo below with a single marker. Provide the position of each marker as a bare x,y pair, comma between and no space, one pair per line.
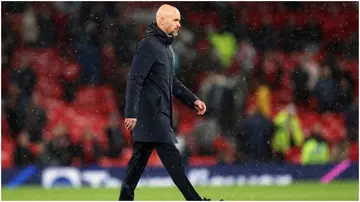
95,100
354,152
256,19
308,120
112,162
49,88
293,155
334,124
203,19
281,96
76,131
71,71
203,160
6,159
126,153
35,149
18,53
98,126
47,64
5,131
154,160
7,143
7,151
119,162
16,20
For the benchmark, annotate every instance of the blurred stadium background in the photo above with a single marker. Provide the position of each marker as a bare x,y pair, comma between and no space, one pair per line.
280,80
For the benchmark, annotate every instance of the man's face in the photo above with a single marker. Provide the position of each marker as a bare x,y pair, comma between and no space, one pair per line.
172,23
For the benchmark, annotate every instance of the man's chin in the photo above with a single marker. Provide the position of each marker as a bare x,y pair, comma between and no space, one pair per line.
175,33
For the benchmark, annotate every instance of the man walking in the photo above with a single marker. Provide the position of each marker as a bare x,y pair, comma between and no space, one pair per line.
148,110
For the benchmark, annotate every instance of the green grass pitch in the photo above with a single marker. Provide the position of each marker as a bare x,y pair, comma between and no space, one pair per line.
337,190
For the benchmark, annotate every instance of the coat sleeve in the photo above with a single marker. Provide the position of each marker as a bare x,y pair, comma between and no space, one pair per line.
183,93
140,68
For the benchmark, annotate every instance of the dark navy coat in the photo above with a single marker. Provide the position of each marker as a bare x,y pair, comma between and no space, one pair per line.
150,86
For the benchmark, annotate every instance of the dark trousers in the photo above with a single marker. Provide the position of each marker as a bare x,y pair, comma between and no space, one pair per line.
172,161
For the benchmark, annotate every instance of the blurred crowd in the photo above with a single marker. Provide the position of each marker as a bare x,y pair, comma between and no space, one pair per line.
280,80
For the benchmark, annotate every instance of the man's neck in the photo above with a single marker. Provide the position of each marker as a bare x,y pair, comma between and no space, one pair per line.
163,30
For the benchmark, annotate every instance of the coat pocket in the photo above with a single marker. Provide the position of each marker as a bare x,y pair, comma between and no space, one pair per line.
164,106
158,103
